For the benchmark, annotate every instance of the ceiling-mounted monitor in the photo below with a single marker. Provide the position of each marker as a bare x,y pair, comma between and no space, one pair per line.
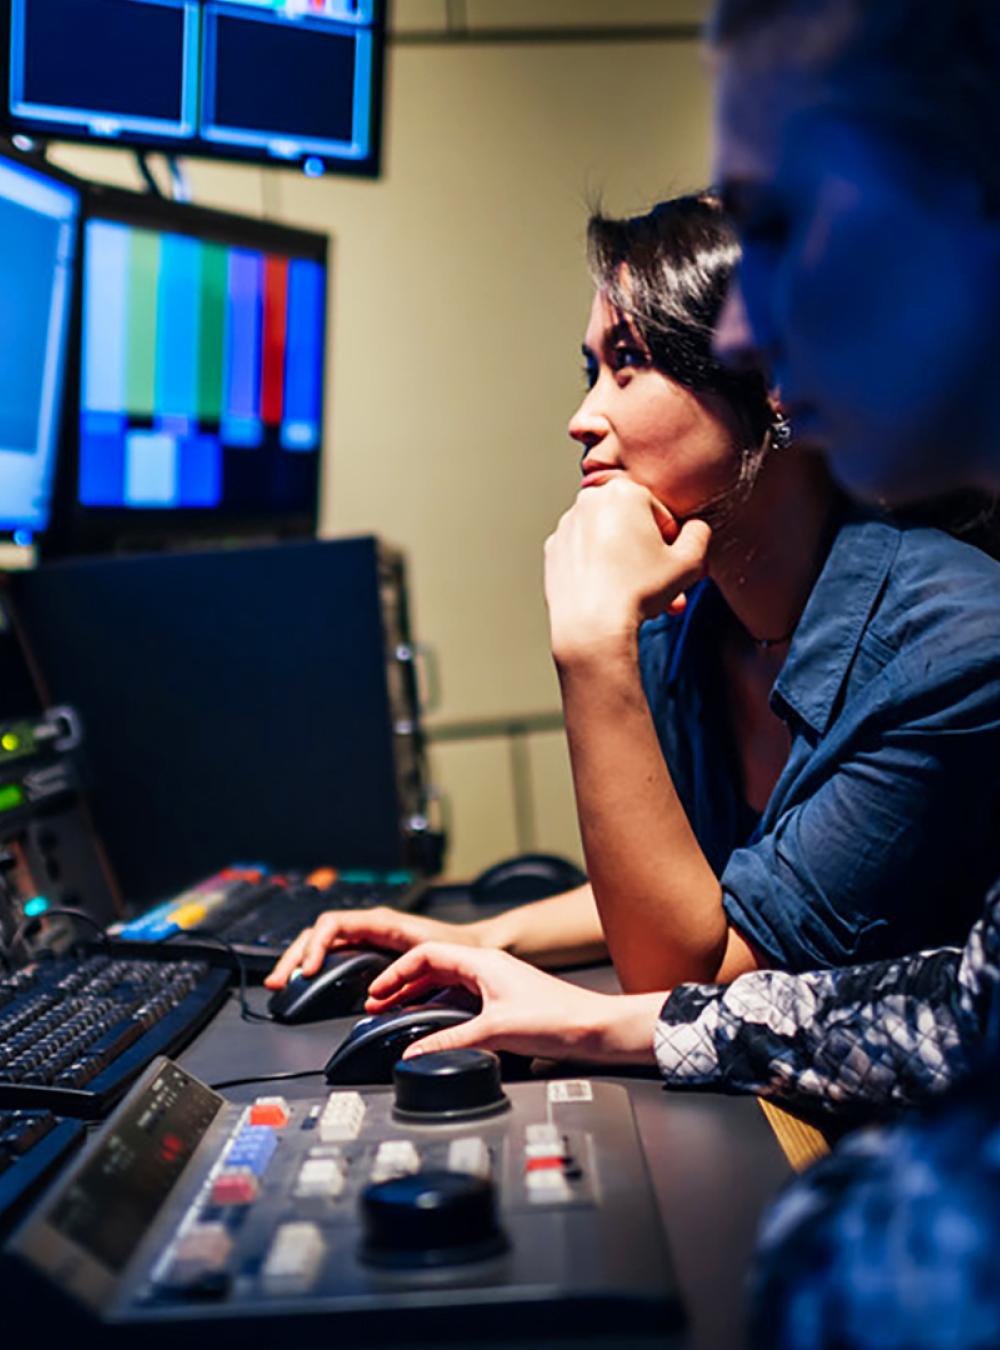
287,82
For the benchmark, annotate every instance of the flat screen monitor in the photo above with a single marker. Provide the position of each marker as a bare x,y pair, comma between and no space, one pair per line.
38,237
235,704
294,82
199,384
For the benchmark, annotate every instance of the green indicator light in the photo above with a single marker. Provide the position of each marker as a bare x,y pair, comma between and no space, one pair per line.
10,741
11,796
35,906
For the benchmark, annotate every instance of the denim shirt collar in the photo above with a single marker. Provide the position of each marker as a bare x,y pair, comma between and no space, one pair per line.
832,625
837,613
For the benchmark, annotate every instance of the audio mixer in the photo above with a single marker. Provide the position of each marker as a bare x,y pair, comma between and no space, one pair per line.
360,1215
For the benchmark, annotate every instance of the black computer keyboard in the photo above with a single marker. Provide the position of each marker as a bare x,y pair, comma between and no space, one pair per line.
32,1145
277,916
259,913
76,1029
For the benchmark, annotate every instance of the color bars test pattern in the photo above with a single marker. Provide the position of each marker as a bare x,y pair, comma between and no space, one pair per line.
192,349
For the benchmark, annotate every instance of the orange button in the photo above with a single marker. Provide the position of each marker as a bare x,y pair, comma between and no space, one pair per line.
543,1164
323,878
269,1111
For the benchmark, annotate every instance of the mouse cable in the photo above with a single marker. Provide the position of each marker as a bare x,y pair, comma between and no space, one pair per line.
26,925
246,1012
266,1078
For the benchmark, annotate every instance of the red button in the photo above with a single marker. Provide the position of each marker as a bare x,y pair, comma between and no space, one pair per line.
234,1188
543,1164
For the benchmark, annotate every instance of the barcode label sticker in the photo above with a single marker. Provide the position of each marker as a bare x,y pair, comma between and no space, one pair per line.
571,1090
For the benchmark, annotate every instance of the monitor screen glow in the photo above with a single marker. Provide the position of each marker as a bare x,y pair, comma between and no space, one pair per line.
201,374
278,81
38,233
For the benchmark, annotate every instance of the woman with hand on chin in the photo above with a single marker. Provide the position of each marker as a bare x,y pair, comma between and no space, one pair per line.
746,798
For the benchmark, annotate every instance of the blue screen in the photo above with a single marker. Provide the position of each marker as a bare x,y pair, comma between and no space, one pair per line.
282,80
37,246
118,66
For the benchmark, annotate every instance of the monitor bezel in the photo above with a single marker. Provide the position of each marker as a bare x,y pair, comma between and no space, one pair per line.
78,529
41,132
36,163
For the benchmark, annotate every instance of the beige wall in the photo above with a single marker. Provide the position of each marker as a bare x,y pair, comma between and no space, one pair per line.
458,302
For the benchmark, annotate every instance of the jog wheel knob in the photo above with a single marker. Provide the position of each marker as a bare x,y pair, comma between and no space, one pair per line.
450,1085
430,1219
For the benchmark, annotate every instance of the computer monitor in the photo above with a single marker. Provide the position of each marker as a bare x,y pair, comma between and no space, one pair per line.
199,384
280,81
236,705
39,215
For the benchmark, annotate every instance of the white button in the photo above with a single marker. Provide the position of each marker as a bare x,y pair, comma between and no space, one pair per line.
204,1248
549,1184
320,1176
557,1148
469,1155
544,1132
341,1118
294,1259
395,1158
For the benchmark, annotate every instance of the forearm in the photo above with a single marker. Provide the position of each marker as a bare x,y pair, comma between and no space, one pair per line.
560,931
888,1034
659,901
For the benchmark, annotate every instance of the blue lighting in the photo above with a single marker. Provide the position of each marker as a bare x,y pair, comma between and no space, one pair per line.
22,538
313,167
35,906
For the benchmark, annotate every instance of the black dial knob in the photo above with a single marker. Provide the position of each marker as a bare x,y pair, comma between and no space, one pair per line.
430,1219
449,1085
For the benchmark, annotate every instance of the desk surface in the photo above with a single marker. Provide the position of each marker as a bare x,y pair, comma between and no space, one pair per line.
714,1161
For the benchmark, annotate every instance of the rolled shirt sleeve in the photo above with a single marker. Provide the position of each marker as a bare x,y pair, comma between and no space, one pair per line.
859,868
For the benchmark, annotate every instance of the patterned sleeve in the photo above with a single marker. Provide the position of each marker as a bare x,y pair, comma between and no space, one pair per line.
887,1034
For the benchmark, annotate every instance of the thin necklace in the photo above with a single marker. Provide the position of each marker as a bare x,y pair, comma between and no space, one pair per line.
765,643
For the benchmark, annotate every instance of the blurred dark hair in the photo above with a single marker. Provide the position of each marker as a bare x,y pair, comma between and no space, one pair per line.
931,66
969,514
667,272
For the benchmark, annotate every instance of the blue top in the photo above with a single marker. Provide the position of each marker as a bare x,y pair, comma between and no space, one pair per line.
880,835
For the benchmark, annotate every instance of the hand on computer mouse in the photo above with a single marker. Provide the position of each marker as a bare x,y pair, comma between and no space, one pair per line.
388,929
523,1009
338,987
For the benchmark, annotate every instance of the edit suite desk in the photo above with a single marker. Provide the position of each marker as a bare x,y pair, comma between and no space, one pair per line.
714,1160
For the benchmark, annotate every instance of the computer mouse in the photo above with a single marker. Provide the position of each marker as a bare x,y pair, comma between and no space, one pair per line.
527,876
337,988
369,1052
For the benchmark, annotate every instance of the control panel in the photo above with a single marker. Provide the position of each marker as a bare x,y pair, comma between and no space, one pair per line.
49,857
360,1215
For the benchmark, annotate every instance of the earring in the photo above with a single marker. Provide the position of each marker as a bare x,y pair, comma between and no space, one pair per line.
780,432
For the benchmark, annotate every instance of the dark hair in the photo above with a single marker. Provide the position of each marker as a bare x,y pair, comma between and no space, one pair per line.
932,64
667,272
969,514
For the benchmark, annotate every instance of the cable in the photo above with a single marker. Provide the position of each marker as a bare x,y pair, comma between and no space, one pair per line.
247,1014
25,926
266,1078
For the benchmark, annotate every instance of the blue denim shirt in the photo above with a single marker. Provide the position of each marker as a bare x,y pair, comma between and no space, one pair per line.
881,833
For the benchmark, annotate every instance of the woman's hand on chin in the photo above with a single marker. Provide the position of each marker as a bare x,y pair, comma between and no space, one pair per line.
523,1009
617,557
